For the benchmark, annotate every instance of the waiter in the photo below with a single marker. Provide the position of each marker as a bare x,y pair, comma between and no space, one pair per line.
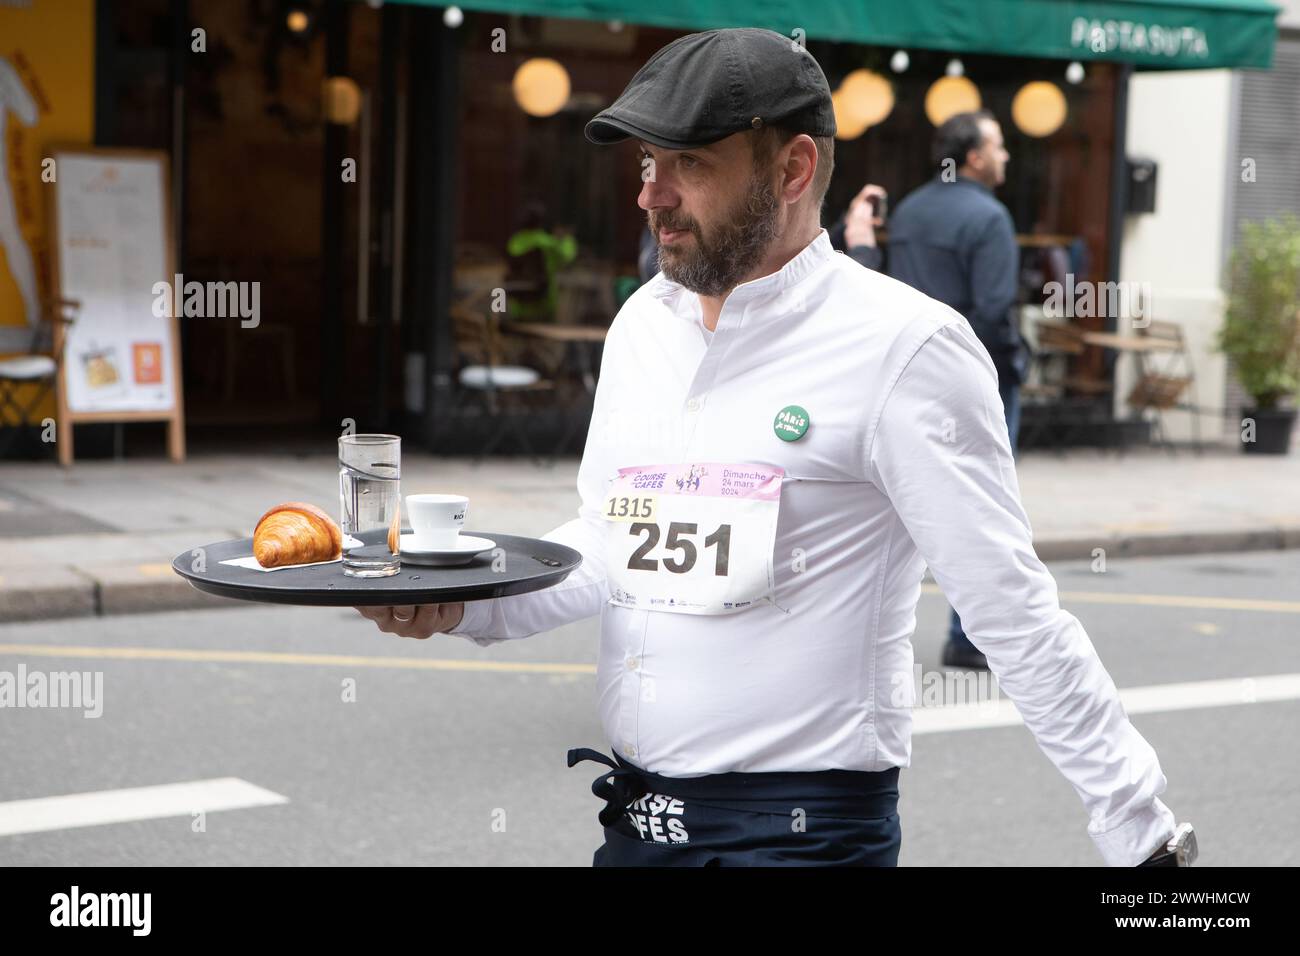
781,442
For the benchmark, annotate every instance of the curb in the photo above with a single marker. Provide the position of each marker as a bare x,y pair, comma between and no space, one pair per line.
142,588
1170,544
51,592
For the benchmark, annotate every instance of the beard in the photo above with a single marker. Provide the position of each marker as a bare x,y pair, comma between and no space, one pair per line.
716,264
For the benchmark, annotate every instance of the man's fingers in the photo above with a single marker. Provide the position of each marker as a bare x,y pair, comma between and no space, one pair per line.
425,622
382,616
867,191
417,622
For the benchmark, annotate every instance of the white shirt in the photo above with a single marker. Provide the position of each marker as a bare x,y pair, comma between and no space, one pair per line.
906,462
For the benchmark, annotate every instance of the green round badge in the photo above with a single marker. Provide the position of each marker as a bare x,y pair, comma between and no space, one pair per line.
791,423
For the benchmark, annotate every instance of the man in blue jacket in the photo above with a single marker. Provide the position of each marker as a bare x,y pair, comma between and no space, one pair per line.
954,241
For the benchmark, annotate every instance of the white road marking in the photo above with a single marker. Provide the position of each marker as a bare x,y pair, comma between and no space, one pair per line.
132,803
1156,698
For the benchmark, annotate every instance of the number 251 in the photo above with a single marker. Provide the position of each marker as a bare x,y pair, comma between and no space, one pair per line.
639,562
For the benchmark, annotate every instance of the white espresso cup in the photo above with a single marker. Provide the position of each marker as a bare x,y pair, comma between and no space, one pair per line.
436,520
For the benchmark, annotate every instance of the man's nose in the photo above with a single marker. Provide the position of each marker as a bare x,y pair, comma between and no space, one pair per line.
654,194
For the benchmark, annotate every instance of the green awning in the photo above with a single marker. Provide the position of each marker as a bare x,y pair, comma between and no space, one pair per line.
1151,34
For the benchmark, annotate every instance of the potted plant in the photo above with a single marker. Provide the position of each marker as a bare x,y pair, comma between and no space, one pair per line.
1261,330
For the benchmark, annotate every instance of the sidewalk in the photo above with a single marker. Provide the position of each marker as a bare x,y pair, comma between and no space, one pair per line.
99,538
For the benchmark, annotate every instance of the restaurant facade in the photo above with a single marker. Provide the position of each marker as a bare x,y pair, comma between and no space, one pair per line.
401,178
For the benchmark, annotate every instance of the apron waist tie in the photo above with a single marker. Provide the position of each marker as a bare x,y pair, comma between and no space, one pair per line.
855,794
618,786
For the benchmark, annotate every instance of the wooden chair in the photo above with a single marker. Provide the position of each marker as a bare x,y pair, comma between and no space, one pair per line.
1162,384
503,392
1065,399
1061,341
34,367
586,294
510,377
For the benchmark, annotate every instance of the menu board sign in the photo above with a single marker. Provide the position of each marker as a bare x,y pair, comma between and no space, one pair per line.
112,248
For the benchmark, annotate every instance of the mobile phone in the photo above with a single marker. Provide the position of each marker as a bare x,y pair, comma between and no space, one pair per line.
879,207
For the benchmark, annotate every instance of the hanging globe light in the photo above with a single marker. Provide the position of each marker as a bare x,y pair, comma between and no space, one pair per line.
868,96
342,100
1039,109
848,125
541,86
950,95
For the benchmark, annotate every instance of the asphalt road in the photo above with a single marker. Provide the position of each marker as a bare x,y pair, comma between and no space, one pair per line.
453,754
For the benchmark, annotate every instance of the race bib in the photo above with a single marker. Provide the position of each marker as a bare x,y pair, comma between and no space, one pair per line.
694,538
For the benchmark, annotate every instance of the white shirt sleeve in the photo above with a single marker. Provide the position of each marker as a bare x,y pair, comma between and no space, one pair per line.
578,596
941,453
584,592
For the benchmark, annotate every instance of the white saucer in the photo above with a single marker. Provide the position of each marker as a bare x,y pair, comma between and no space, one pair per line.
462,552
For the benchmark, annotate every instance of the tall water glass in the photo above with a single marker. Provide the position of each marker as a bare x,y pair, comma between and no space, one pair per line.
370,473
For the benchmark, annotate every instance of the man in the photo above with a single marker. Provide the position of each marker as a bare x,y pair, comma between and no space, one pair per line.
954,241
540,253
780,441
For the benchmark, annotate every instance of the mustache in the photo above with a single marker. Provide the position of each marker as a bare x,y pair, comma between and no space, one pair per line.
671,222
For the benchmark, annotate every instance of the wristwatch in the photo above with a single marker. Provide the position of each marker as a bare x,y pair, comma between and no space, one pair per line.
1179,851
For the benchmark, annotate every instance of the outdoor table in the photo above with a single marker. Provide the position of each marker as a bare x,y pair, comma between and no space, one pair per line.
1139,346
580,339
1128,343
558,333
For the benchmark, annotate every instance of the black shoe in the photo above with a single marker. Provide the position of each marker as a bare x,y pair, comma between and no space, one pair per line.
958,655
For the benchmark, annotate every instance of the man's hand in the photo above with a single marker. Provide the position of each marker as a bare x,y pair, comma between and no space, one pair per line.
860,221
417,622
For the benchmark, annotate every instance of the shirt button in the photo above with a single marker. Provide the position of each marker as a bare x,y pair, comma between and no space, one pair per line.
629,750
633,663
693,405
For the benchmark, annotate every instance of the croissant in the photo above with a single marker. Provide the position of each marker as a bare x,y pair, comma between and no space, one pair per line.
296,533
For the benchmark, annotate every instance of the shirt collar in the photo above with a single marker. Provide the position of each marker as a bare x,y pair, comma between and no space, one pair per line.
969,182
808,261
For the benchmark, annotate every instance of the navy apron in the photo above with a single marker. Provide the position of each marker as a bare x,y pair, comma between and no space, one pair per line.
813,818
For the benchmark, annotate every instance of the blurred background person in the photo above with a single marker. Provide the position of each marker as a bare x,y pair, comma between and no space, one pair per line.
538,253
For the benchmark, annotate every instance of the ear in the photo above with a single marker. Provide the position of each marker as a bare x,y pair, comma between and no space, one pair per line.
798,166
